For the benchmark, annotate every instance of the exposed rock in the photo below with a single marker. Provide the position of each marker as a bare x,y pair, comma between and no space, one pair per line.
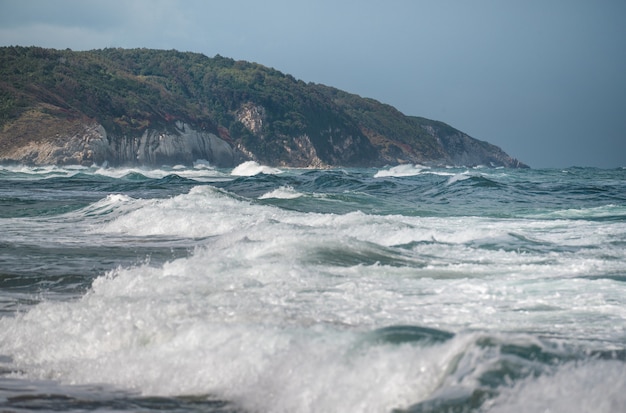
302,153
253,117
93,145
183,145
461,149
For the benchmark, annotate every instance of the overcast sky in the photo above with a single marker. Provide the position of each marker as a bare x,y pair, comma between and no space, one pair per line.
543,79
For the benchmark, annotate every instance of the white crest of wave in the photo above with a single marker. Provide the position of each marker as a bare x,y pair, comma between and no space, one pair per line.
251,168
458,177
202,164
204,211
400,170
200,172
122,172
284,192
111,207
43,172
603,211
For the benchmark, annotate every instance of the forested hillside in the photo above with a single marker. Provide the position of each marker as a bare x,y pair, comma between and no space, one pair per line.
48,95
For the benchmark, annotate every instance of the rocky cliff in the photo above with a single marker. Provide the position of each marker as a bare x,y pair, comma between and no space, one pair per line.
148,107
87,143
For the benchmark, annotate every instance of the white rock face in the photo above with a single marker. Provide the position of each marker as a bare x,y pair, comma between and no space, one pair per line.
183,145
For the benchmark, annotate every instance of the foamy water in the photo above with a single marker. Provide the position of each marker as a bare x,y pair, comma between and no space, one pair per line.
251,168
290,293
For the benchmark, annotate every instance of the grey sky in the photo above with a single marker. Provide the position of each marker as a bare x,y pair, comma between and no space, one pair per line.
545,80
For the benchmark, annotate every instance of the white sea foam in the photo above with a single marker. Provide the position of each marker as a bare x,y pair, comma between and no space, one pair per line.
251,168
270,308
244,319
400,170
604,211
206,211
506,282
595,386
284,192
202,164
129,336
121,172
42,172
201,174
203,212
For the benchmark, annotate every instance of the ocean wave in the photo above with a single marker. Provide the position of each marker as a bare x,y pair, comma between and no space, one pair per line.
200,173
203,211
609,212
421,294
458,177
400,171
152,331
251,168
284,192
23,172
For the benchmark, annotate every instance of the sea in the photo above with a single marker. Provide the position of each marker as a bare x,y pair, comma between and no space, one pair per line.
403,289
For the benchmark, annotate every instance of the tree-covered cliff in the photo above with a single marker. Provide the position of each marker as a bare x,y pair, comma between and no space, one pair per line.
145,106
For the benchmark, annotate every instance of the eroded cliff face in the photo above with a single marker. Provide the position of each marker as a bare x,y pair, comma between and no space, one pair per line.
288,151
183,145
89,143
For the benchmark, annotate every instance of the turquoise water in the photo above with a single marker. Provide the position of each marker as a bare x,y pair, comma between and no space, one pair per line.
406,289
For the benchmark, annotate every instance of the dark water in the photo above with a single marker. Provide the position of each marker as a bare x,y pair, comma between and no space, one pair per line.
407,290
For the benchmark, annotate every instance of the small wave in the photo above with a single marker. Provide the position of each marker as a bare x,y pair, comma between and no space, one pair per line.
19,172
201,172
107,206
400,171
600,213
251,168
458,177
132,173
202,212
284,192
202,164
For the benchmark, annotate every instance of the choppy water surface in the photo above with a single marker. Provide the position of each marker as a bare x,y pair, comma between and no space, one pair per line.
257,289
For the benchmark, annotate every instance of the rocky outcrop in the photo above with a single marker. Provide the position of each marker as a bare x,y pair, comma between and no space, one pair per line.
302,149
461,149
253,117
183,145
90,144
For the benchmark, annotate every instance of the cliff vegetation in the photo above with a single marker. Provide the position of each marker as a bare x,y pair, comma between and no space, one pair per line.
107,99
